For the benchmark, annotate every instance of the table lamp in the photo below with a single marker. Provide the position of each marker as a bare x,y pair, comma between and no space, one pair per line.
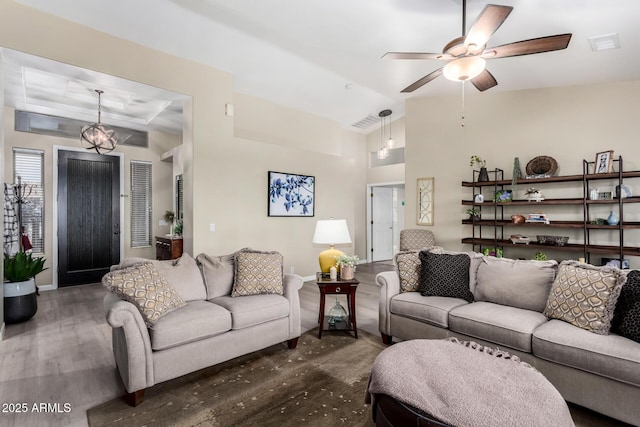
330,232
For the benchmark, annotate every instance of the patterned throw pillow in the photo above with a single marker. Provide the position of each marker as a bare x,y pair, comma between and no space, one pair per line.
626,319
258,273
408,263
585,296
445,275
144,287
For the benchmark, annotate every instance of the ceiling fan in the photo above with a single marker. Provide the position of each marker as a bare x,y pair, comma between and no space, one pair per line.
466,55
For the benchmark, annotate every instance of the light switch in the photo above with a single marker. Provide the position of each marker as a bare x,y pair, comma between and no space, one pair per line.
228,110
212,227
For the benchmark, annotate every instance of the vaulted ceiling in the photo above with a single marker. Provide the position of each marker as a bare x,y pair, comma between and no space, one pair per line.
324,56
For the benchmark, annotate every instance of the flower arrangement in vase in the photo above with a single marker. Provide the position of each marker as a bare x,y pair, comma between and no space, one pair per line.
478,162
347,265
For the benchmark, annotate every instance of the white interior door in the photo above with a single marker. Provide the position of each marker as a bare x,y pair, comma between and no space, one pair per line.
381,223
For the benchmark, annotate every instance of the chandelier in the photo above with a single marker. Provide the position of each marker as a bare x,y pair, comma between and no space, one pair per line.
97,136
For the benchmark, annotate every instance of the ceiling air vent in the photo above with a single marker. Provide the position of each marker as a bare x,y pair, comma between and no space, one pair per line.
605,42
368,121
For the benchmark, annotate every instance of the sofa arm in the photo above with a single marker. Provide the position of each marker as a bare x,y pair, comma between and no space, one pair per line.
131,343
292,284
389,287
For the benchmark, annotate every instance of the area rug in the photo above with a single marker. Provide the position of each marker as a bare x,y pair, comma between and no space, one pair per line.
320,383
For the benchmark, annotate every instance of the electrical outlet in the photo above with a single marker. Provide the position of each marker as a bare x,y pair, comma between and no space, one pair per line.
212,227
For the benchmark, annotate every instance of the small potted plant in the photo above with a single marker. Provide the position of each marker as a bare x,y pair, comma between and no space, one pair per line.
474,214
478,162
347,265
177,230
20,270
534,195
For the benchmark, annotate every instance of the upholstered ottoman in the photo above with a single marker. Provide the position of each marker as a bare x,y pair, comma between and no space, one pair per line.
459,383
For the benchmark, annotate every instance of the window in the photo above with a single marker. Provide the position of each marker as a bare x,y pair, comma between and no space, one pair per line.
140,204
28,169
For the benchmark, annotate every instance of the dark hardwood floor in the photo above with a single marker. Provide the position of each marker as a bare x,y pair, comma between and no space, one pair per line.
63,355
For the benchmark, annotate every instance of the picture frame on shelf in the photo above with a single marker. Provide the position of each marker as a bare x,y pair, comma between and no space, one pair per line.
291,194
604,162
605,195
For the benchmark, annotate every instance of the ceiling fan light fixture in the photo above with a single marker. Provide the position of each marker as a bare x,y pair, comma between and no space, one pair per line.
464,68
97,136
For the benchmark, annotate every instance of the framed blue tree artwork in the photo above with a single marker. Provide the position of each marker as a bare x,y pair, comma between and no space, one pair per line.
291,194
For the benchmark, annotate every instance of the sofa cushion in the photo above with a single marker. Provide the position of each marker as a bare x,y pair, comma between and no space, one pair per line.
217,272
247,311
445,275
408,263
611,356
585,295
195,321
516,283
257,273
144,287
433,310
626,318
185,276
500,324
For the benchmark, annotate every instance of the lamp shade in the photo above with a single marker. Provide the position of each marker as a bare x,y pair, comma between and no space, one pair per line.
330,232
464,68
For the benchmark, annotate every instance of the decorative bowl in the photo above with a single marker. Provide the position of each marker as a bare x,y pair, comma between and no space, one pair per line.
553,240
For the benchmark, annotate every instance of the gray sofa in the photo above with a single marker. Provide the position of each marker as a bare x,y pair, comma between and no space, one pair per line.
598,371
211,328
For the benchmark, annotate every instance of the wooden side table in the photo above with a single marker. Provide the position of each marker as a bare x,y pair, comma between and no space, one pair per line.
336,287
168,248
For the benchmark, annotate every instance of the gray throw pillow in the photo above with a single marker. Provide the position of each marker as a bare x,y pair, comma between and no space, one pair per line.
515,283
626,318
445,275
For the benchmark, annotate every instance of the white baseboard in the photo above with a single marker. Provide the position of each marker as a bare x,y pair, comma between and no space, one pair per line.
46,288
308,278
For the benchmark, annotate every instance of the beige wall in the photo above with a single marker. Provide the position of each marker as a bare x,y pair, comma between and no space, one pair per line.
569,124
225,159
277,138
161,171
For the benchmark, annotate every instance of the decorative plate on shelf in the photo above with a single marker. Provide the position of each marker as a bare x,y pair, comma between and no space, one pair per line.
542,165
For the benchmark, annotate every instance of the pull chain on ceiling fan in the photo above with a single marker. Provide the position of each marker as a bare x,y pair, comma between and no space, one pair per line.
466,55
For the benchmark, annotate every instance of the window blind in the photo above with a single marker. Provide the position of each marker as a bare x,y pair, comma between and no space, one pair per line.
28,165
141,206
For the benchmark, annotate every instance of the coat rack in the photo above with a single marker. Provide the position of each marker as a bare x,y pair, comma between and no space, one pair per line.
21,193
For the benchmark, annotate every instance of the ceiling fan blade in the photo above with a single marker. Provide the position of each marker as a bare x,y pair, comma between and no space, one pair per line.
484,81
423,81
417,55
528,47
489,20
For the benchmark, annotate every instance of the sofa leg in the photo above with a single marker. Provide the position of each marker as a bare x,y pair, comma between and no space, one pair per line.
292,343
386,339
135,398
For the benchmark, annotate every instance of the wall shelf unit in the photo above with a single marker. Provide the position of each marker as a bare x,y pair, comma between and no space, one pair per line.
489,232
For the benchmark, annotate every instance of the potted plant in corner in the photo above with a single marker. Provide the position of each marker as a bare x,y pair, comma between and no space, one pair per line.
20,270
347,265
476,161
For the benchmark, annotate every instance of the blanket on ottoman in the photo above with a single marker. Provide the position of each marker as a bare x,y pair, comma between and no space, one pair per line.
466,384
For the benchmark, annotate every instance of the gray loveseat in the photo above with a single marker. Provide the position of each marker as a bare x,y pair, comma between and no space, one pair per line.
597,371
211,328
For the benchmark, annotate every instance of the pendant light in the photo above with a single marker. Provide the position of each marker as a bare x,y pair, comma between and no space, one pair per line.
383,152
97,136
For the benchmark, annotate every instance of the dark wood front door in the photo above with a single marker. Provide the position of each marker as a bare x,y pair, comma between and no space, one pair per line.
88,216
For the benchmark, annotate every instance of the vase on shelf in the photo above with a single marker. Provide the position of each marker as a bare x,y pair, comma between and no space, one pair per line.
613,218
483,176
